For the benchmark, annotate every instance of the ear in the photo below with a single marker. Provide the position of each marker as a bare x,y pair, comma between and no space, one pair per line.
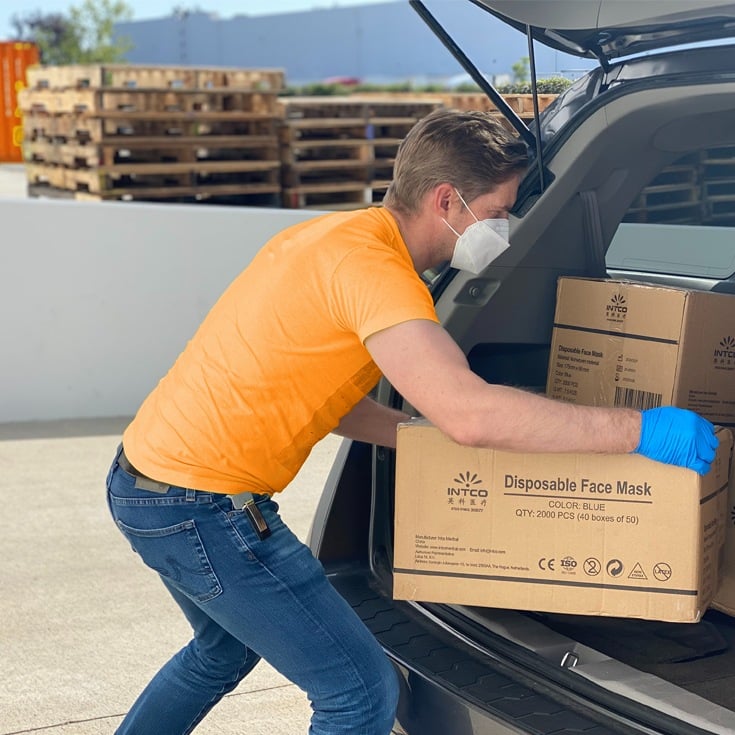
442,196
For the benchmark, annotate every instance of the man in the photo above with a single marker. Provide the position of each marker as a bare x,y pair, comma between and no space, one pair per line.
289,353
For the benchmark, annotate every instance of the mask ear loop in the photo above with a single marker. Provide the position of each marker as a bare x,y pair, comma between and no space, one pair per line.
461,199
446,222
450,227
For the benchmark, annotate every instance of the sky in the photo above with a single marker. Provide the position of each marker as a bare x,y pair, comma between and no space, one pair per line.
144,9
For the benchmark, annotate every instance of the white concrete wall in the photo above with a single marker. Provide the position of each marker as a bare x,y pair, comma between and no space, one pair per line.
98,299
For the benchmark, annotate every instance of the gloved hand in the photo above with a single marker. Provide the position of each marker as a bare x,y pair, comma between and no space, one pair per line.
677,436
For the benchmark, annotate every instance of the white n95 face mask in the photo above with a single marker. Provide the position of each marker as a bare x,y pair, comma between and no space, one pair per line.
480,244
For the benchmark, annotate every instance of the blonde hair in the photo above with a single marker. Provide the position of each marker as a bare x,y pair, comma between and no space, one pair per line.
469,149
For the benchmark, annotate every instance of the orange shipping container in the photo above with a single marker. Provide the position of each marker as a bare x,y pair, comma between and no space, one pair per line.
15,58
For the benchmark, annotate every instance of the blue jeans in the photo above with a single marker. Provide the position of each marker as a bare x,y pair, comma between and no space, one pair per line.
246,599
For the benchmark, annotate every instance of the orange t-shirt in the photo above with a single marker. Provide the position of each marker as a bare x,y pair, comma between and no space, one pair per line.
280,358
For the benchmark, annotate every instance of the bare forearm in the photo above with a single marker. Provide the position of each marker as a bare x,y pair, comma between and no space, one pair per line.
507,418
372,423
426,366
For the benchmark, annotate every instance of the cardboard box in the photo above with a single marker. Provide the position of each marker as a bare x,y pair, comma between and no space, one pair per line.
621,343
725,596
617,535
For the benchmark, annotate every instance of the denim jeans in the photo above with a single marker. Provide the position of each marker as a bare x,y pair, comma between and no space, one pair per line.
247,598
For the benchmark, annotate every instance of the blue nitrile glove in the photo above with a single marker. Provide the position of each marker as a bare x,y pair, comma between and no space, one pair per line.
677,436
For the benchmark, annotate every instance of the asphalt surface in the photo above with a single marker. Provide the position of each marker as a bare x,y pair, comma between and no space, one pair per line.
83,624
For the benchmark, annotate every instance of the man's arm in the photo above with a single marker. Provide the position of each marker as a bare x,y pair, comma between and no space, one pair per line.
429,370
372,423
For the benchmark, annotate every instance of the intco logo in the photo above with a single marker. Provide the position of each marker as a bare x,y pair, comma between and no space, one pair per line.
465,486
724,353
617,306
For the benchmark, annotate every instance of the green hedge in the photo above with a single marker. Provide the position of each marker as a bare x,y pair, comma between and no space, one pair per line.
549,85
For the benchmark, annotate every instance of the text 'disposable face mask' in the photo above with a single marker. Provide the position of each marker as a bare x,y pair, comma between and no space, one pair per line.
480,244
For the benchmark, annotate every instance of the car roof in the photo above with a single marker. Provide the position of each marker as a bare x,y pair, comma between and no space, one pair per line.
608,29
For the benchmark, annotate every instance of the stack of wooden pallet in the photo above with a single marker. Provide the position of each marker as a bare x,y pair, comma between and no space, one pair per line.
115,132
718,185
338,152
673,196
521,104
698,188
181,134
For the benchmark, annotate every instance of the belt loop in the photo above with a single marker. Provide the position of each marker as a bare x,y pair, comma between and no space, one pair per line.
191,495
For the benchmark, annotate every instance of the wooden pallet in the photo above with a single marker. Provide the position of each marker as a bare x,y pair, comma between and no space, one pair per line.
153,150
521,104
351,117
116,123
379,186
344,128
328,195
172,179
119,126
115,99
674,213
342,141
46,175
151,133
721,213
362,107
233,195
320,161
295,150
159,77
169,117
329,173
667,195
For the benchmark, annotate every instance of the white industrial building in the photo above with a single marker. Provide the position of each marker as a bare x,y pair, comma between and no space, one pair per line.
375,43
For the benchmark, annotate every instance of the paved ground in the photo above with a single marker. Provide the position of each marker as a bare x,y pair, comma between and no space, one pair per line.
12,180
83,625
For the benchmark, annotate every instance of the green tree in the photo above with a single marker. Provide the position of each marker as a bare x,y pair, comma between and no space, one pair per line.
521,69
94,22
51,32
85,35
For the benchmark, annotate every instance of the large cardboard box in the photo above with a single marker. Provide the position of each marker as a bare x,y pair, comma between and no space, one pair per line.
617,535
724,600
621,343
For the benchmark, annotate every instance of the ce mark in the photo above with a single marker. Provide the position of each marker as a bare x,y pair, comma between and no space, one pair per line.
546,564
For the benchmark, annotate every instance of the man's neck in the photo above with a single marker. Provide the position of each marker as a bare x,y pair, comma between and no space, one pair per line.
417,237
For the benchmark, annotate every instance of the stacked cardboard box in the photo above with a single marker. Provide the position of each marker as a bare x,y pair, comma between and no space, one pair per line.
613,535
621,343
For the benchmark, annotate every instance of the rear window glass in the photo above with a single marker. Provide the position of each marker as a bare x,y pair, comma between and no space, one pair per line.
681,223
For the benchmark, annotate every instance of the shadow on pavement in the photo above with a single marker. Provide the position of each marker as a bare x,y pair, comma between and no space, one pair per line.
62,428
